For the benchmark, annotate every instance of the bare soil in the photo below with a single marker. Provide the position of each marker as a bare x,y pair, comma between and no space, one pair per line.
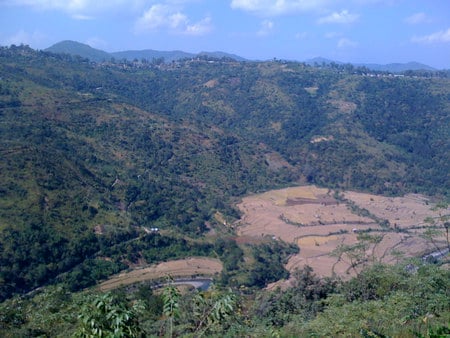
318,223
178,268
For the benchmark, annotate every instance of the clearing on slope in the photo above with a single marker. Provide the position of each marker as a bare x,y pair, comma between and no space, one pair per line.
322,223
178,268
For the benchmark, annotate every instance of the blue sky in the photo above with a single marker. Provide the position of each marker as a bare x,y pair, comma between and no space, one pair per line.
369,31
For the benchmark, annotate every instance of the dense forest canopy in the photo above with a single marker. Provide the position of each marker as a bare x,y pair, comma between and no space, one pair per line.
93,153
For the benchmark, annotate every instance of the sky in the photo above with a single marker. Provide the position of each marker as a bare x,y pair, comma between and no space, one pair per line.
356,31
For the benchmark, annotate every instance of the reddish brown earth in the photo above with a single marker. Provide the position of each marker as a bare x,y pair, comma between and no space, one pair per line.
178,268
318,223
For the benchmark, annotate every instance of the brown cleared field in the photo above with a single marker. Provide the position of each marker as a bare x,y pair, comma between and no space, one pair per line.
177,268
403,211
318,223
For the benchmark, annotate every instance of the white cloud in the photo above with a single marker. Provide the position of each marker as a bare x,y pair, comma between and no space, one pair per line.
341,17
97,43
66,5
266,28
200,28
82,17
77,6
332,35
160,16
437,37
345,43
371,2
417,18
282,7
278,7
164,16
175,20
302,35
180,2
22,37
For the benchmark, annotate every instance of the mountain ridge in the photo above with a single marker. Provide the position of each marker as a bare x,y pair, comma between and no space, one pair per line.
98,55
394,67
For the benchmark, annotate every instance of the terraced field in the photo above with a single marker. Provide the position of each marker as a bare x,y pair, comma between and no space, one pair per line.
337,234
325,224
200,266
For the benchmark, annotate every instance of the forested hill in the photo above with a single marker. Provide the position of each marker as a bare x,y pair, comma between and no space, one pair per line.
117,146
79,49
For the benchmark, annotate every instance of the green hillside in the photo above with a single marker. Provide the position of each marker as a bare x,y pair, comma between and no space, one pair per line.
96,55
93,154
76,48
86,145
79,154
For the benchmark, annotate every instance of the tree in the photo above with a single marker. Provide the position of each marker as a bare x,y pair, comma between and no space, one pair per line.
107,316
357,254
171,297
213,311
438,227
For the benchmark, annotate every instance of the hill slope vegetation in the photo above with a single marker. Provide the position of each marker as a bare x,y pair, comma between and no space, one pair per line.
94,153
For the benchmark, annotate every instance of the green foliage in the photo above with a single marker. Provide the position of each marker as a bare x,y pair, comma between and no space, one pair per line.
171,310
92,155
375,283
381,301
265,264
229,252
107,316
438,227
89,273
156,248
385,301
355,255
35,254
49,312
304,299
434,332
213,312
268,266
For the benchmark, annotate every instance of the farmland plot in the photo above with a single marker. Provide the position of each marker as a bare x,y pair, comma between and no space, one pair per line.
322,223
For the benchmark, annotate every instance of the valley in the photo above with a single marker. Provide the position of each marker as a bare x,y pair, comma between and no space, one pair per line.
306,193
338,234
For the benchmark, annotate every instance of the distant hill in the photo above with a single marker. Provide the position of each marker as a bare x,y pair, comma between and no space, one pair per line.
320,60
390,67
151,54
396,67
220,55
81,49
97,55
170,56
